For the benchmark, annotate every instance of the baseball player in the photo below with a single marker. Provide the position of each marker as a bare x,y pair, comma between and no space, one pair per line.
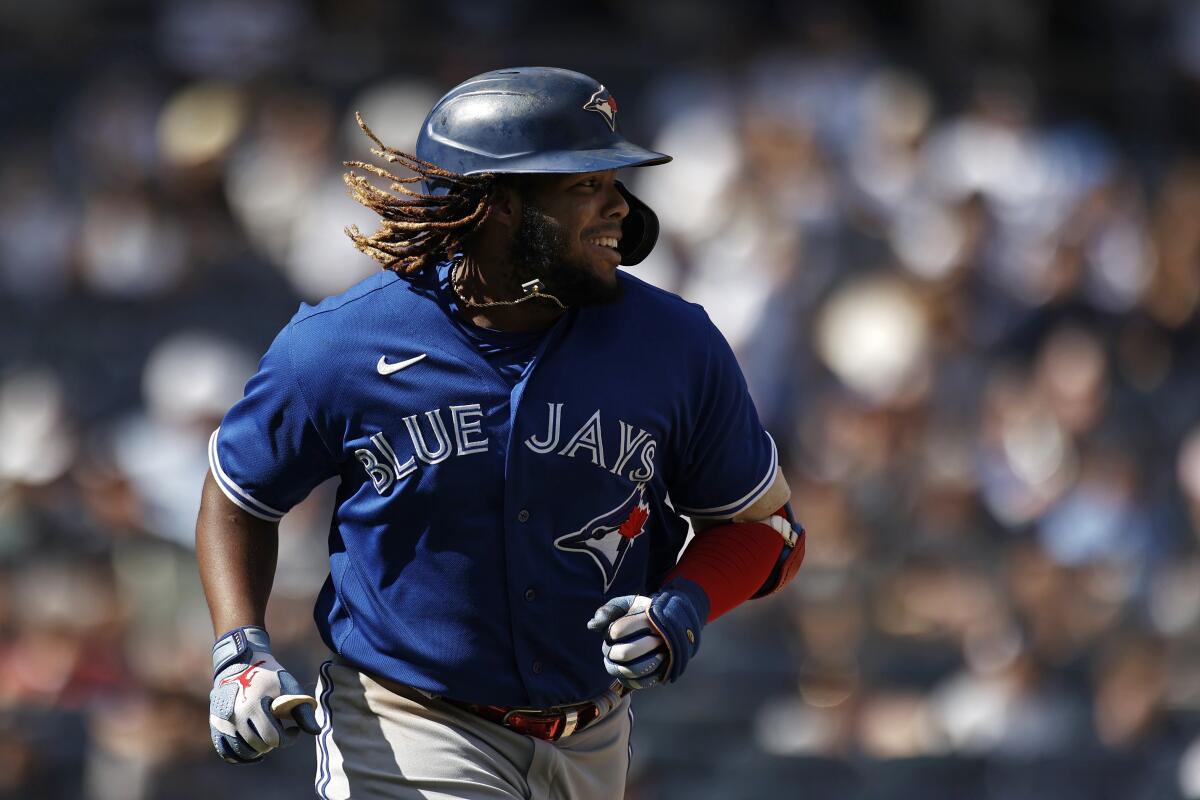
519,430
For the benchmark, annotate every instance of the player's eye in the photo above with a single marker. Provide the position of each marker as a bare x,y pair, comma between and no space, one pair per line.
589,183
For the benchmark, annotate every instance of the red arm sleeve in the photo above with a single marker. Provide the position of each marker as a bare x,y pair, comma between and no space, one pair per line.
730,562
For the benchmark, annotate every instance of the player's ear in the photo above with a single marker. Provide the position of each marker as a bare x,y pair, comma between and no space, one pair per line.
506,203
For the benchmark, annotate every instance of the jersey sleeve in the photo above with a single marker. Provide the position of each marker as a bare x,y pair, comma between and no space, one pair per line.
268,454
728,460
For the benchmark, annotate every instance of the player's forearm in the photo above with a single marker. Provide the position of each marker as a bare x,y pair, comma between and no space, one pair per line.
236,553
730,563
732,559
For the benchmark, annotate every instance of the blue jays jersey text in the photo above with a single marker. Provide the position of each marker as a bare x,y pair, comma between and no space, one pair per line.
480,522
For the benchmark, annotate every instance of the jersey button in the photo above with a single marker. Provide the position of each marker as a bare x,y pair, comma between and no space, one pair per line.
537,667
523,515
530,595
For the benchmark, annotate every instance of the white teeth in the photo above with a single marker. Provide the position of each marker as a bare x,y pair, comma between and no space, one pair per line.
604,241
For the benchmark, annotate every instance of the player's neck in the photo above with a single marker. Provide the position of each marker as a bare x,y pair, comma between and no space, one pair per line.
491,298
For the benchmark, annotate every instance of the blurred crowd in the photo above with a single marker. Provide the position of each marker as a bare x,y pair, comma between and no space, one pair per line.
965,300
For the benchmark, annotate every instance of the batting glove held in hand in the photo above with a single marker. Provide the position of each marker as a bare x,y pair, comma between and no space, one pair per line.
246,681
649,640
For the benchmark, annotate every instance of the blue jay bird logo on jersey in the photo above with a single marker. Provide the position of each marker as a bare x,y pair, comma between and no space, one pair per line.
608,537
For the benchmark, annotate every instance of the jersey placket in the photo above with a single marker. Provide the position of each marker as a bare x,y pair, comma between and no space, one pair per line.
524,528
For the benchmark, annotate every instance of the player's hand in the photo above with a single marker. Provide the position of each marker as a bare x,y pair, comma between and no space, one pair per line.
648,640
634,651
255,704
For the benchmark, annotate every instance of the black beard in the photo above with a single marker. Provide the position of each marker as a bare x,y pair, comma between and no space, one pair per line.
541,250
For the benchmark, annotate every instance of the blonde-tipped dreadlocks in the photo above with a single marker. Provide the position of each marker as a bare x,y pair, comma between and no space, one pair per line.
415,229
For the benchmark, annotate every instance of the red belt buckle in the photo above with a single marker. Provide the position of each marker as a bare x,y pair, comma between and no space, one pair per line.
527,721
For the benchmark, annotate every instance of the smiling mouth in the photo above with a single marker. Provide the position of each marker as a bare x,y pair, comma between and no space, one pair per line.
604,241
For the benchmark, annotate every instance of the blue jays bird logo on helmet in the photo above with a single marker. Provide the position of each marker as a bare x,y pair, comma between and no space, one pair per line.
604,104
608,537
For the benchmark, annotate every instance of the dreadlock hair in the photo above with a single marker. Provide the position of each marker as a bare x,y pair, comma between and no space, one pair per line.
416,230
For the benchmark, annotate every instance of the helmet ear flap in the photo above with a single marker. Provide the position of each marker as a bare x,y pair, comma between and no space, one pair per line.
639,229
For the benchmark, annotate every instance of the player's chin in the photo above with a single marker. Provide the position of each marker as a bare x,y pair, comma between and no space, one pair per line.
587,284
603,281
604,259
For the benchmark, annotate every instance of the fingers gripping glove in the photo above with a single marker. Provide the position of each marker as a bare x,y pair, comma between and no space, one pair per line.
649,640
247,680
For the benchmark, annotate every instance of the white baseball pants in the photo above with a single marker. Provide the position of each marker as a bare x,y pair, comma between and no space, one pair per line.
381,739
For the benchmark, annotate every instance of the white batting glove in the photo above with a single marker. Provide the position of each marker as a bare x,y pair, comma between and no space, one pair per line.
634,651
649,640
255,704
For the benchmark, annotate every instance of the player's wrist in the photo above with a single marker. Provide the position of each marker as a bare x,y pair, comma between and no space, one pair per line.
693,593
237,645
679,611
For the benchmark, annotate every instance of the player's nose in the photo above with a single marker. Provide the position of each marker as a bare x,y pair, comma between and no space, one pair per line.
615,205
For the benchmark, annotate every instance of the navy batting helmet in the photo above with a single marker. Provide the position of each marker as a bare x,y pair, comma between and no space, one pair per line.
538,120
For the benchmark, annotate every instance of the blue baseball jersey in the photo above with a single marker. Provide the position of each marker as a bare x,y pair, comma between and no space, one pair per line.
494,490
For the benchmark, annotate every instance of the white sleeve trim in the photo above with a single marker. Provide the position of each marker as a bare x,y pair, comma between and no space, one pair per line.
737,506
237,495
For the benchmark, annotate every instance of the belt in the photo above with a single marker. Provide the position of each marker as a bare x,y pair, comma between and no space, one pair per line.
550,724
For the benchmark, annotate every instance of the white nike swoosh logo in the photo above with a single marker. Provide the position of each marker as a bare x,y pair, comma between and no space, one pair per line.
384,368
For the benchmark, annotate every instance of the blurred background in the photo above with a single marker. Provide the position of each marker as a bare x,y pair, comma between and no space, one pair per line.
956,246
